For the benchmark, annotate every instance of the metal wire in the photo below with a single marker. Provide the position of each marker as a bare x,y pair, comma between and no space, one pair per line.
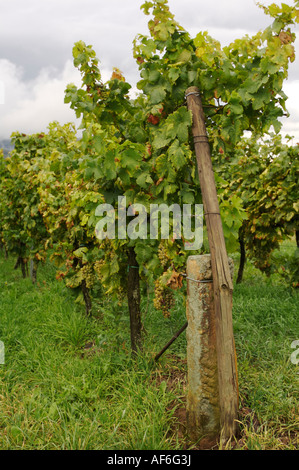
196,280
192,93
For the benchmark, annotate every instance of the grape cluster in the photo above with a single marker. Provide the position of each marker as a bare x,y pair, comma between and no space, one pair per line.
162,255
164,298
87,275
98,267
121,295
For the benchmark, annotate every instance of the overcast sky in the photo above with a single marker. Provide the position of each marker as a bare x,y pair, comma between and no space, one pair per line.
36,40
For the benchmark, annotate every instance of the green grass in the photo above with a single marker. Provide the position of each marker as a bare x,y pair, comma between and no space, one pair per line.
57,395
69,382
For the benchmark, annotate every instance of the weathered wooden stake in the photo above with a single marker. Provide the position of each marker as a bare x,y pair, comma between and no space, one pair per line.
222,282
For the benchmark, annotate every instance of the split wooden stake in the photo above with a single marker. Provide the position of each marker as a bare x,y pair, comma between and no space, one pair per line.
222,282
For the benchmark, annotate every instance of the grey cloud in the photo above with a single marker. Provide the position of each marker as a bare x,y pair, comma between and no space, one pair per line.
36,37
42,34
228,14
37,34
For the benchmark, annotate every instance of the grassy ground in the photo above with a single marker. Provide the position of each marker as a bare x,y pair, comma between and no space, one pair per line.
69,382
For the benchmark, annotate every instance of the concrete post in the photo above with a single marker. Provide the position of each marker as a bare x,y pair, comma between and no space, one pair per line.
203,407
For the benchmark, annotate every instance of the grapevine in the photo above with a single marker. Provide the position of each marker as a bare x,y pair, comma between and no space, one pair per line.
163,255
164,297
141,148
87,275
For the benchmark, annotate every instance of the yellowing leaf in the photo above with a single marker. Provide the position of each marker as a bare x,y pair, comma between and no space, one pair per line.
117,75
285,38
84,220
200,51
185,56
296,206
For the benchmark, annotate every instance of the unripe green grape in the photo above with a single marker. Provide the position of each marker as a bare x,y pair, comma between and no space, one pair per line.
162,255
164,298
98,265
88,275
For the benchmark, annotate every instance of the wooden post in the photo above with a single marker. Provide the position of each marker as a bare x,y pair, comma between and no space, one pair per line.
203,407
222,282
133,293
242,257
2,353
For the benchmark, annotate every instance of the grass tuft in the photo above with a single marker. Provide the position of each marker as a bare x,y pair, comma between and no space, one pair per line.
69,382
